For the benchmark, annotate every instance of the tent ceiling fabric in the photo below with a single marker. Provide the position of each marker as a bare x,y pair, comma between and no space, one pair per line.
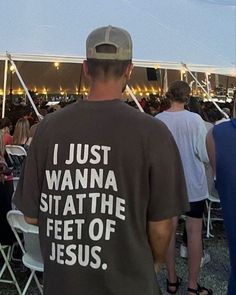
39,76
165,32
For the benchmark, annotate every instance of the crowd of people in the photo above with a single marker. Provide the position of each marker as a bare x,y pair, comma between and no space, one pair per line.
116,180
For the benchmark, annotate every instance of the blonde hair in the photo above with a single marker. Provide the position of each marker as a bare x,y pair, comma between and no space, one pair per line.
21,132
2,145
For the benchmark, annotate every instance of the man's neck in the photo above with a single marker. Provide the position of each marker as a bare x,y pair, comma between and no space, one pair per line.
176,107
105,91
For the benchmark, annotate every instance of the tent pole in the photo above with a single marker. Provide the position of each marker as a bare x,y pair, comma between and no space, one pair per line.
80,78
227,84
134,98
207,83
165,88
186,77
208,95
217,80
4,88
162,82
196,88
40,117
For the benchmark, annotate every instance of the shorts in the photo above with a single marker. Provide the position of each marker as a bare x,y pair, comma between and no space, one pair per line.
196,209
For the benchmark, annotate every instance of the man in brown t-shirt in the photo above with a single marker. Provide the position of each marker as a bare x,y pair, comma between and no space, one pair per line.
102,181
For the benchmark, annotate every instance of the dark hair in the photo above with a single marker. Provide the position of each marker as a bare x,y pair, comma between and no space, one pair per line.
214,115
5,122
194,105
178,91
104,68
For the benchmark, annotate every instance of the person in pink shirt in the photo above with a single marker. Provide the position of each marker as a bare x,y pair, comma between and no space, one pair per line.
5,127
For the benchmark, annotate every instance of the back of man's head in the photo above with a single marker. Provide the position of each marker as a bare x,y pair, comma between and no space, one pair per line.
179,91
108,52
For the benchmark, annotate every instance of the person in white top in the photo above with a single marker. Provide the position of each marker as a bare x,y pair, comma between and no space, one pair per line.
189,132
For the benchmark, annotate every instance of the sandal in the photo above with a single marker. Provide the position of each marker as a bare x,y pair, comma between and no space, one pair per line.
175,285
200,290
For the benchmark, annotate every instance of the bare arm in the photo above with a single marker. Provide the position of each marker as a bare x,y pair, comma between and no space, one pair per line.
30,220
159,233
29,141
210,145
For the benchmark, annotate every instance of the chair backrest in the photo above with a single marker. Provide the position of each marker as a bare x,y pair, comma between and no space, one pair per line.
16,155
15,150
31,234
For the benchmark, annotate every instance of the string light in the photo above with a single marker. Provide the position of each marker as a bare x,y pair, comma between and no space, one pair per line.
20,92
57,65
12,69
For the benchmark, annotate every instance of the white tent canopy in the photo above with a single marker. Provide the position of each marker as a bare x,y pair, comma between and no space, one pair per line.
200,33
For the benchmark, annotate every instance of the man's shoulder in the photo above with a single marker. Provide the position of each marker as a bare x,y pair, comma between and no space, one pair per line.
223,126
59,115
153,123
137,117
192,117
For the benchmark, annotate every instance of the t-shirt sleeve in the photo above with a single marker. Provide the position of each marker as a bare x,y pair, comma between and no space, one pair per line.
27,194
168,194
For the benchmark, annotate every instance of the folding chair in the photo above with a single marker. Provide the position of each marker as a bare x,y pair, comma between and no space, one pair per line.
16,154
32,258
6,265
210,200
15,150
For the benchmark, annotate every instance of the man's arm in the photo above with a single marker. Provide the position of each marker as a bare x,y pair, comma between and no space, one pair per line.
159,233
33,221
210,145
200,142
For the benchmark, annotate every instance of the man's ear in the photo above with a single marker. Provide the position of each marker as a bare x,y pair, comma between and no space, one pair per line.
129,70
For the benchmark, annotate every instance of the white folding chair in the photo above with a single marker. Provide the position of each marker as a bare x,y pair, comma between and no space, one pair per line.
6,266
210,201
32,258
15,151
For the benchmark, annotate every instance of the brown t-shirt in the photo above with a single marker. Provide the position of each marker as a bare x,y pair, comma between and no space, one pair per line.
95,174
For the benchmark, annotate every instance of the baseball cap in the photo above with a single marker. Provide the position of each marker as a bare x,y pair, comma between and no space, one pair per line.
117,37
